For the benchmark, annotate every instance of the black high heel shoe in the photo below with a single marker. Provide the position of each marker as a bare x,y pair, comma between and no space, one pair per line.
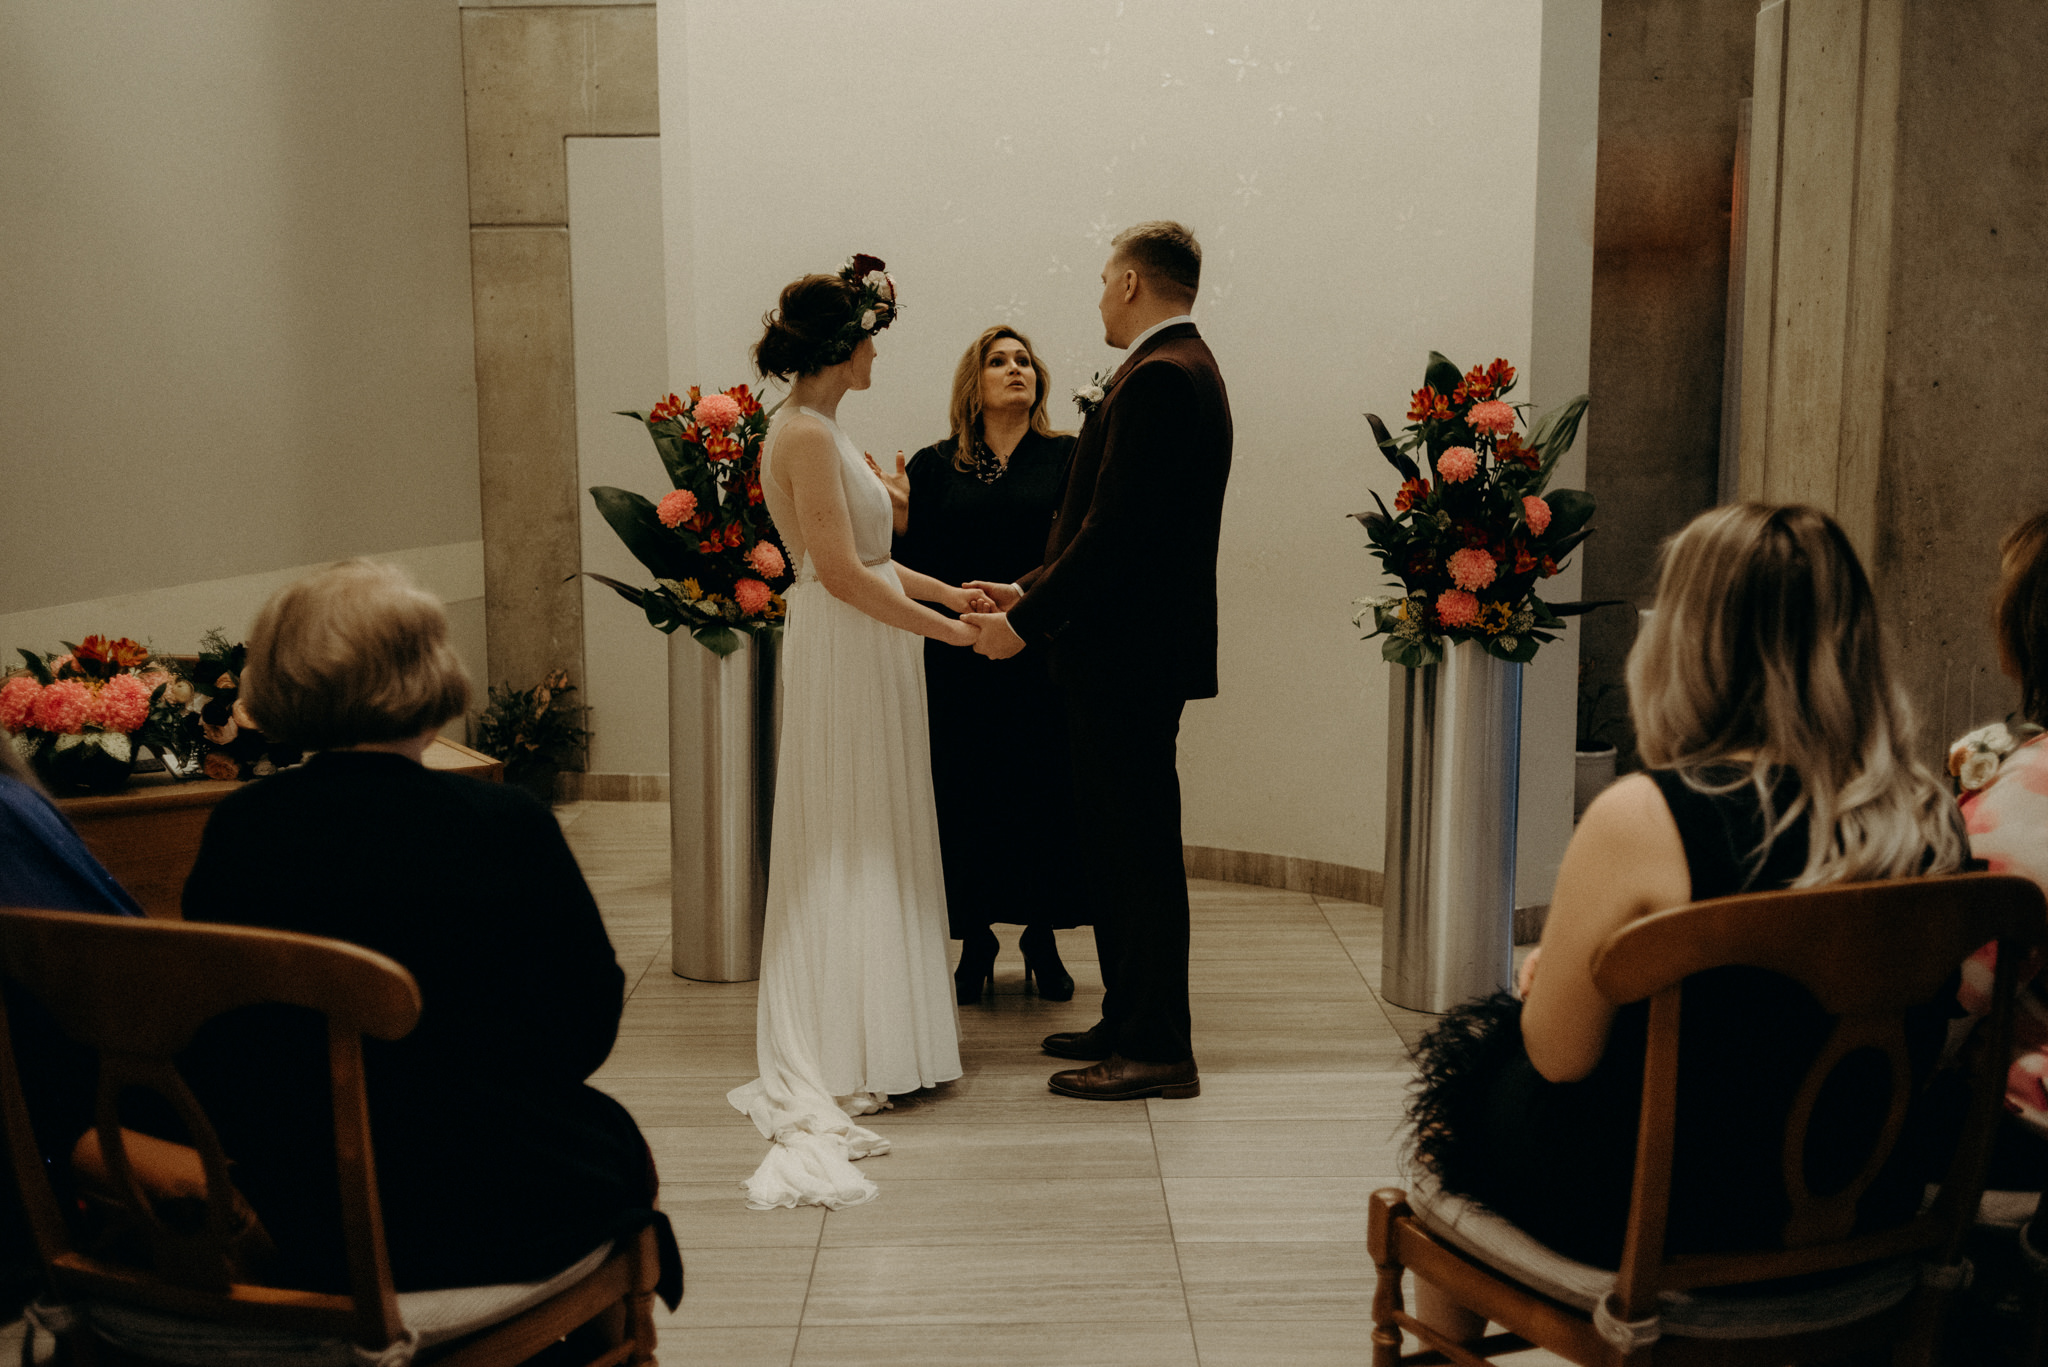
1042,965
977,971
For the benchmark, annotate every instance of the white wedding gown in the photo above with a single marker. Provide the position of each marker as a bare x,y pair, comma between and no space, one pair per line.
856,996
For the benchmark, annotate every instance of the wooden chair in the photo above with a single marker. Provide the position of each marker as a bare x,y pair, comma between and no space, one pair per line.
136,991
1867,952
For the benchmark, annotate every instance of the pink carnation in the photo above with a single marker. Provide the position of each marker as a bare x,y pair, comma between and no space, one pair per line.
1470,568
1492,417
65,706
122,704
676,506
768,560
717,411
18,702
1536,513
1456,608
1457,465
752,595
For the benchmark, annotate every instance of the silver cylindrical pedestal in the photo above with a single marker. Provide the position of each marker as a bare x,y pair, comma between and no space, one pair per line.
723,718
1454,739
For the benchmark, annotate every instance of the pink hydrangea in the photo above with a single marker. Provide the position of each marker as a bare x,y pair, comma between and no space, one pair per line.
767,559
64,707
1536,513
1492,418
676,506
1457,465
1471,568
18,703
752,595
716,412
122,704
1456,608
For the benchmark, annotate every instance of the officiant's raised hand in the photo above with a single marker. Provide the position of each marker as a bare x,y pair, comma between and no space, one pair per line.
1004,596
998,641
898,486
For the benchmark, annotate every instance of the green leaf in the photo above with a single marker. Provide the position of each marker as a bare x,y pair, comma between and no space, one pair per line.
37,666
1388,448
1412,654
719,639
1556,432
652,544
632,595
1442,375
1570,510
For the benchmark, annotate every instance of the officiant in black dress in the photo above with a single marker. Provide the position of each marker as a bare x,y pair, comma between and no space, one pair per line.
978,505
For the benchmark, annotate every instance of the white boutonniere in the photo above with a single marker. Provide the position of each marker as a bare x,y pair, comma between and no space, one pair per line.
1089,397
1973,761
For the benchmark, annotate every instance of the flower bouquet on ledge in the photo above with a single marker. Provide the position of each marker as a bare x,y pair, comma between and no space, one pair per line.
717,562
79,717
1472,531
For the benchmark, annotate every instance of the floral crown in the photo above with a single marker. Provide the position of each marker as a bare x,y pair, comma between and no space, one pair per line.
873,310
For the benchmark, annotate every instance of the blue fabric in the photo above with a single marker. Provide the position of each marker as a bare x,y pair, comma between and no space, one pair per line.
43,863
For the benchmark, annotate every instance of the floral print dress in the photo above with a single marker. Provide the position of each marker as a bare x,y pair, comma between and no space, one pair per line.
2007,815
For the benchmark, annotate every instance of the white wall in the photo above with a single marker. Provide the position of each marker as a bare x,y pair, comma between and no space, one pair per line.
621,313
234,274
1364,182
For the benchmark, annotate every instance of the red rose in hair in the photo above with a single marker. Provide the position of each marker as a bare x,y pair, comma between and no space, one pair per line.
863,263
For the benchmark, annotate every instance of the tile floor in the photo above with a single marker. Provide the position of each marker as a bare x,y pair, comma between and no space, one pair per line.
1018,1227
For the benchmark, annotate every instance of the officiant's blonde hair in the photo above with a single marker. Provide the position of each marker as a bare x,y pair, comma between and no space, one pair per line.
1765,653
966,407
354,653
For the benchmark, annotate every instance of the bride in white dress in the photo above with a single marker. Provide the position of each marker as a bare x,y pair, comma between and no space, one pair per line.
857,996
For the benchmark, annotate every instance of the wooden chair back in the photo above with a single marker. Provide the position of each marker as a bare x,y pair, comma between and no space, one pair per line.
1868,952
136,992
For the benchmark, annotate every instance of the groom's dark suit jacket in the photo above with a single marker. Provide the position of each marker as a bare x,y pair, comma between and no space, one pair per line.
1126,599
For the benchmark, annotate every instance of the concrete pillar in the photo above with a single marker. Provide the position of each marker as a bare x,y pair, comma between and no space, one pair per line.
1896,298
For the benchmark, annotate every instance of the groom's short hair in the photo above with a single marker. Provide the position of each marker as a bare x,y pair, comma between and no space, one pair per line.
1165,253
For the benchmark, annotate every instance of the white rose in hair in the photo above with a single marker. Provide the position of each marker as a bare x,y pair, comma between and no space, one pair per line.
875,280
867,321
1979,769
1996,736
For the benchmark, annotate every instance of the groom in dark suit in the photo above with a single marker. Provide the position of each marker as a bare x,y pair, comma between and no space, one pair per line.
1125,605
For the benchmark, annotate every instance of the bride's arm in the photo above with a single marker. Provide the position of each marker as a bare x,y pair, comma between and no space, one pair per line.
929,590
810,460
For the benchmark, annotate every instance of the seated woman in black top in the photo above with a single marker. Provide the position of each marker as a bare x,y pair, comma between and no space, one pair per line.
979,505
1779,757
495,1161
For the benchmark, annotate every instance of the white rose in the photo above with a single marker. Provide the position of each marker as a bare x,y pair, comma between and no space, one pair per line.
875,280
867,321
1978,770
1093,393
1996,737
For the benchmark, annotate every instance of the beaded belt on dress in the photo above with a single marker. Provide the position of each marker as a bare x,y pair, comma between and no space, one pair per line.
807,575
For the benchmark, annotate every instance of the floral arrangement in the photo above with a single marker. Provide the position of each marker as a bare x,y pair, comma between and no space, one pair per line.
1473,531
221,738
717,562
533,730
874,309
1973,761
79,716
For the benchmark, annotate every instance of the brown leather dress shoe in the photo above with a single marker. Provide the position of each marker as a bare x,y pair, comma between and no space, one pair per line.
1117,1078
1088,1045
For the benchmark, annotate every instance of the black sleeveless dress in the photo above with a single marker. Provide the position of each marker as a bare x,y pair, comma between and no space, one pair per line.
1558,1159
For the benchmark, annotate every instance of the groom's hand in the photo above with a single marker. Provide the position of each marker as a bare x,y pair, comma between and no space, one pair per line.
998,641
1004,596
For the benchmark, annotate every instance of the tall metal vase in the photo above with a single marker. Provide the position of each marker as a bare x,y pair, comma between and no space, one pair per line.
1454,734
724,714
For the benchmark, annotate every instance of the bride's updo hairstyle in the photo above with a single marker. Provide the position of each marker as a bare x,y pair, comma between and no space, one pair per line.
1766,651
798,332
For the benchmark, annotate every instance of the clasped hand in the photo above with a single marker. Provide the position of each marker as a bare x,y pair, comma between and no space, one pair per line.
983,609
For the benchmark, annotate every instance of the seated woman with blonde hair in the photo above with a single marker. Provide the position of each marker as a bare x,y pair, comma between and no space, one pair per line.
1778,754
496,1162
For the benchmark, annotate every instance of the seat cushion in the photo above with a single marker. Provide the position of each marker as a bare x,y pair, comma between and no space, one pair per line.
430,1317
1716,1313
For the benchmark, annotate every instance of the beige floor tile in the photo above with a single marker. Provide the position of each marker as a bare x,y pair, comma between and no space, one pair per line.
1355,1096
1295,1342
753,1346
656,1014
1049,1284
738,1286
680,1101
1266,1210
1276,1148
727,1151
1358,1017
1014,1152
1276,1281
981,1213
1309,940
999,1345
1019,1098
1333,979
714,1215
1296,1051
679,1056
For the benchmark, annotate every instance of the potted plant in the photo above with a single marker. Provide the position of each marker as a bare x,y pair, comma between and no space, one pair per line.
535,731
